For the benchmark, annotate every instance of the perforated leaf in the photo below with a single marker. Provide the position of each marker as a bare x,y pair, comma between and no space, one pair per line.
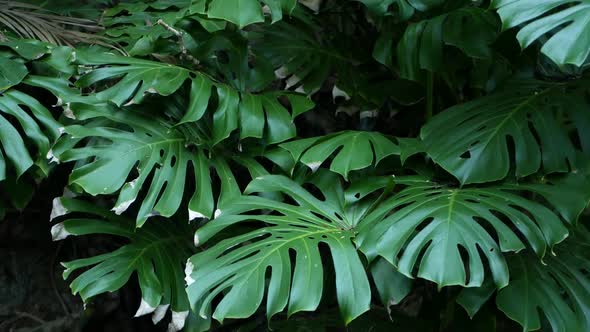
422,47
156,254
144,146
299,55
238,275
557,289
565,22
36,128
352,150
530,115
234,110
445,232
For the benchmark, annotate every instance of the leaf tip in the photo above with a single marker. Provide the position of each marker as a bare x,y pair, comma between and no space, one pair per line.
159,313
188,270
178,320
58,209
192,215
59,232
144,309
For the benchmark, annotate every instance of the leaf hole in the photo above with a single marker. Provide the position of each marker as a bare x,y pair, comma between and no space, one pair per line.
466,155
322,217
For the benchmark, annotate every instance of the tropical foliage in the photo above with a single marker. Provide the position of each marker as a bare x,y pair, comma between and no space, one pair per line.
270,158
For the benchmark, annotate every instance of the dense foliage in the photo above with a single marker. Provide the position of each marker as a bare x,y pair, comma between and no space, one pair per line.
268,158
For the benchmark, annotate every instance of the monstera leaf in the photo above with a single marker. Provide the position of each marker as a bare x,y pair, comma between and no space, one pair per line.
128,151
353,150
156,253
246,12
530,116
39,131
144,146
405,8
234,110
566,20
422,47
299,55
27,128
445,232
138,77
558,288
239,274
554,290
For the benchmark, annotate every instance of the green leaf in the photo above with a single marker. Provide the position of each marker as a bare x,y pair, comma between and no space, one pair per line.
558,288
422,46
354,150
16,193
445,232
405,8
566,22
474,298
246,12
239,274
239,12
138,77
393,286
234,110
144,145
156,253
298,55
39,131
279,122
12,73
530,115
28,49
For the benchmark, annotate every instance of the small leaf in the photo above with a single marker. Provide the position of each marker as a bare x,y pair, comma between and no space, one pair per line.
359,149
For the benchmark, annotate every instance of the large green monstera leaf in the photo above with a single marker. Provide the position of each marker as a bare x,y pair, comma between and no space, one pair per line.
110,153
422,47
127,151
353,150
27,128
557,288
531,117
567,21
552,293
298,55
236,268
234,109
445,232
156,253
39,130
